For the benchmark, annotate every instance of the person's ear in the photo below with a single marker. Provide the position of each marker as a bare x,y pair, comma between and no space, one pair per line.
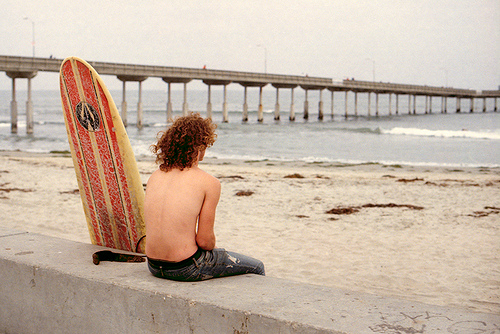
201,155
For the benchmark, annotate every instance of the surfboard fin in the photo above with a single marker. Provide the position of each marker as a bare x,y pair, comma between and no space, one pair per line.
106,255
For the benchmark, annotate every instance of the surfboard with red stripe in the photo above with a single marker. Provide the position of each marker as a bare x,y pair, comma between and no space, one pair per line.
109,181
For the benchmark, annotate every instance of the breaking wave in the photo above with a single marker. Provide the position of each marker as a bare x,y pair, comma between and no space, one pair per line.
443,133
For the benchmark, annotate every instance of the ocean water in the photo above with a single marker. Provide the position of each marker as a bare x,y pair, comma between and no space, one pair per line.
452,139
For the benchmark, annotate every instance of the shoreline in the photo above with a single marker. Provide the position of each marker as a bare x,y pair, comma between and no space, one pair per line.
376,240
432,167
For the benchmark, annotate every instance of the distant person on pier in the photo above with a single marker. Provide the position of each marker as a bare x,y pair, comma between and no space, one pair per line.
180,205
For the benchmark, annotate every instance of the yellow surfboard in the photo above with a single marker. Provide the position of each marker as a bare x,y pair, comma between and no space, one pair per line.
109,181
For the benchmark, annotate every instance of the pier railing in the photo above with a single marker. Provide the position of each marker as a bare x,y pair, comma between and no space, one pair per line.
382,87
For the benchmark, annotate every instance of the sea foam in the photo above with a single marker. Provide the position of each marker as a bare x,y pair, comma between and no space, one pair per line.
443,133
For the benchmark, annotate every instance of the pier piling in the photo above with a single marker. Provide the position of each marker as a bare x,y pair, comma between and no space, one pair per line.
29,110
331,106
245,106
277,108
170,80
306,106
225,115
292,106
13,108
124,104
320,106
13,104
390,104
185,103
346,112
209,102
260,112
397,104
277,105
134,78
356,104
224,83
369,103
139,107
170,116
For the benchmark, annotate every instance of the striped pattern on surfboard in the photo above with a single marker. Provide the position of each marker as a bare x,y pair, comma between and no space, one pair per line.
106,170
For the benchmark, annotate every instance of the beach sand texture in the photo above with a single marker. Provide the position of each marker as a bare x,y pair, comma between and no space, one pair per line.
429,234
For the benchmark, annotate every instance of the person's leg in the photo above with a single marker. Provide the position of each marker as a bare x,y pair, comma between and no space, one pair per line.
248,263
221,263
206,265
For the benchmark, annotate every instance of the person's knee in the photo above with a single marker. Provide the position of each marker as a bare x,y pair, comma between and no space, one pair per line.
260,269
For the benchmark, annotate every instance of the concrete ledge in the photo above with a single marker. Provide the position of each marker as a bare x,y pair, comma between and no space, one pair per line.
50,285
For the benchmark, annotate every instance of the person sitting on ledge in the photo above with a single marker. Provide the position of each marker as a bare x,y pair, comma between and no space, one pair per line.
180,205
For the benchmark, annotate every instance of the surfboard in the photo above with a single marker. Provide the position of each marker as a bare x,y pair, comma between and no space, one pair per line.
108,178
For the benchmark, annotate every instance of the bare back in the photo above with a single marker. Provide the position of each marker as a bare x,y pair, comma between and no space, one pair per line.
175,202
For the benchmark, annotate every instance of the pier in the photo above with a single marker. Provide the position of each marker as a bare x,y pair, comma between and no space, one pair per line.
28,67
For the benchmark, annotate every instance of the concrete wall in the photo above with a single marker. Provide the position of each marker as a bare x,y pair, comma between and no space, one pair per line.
50,285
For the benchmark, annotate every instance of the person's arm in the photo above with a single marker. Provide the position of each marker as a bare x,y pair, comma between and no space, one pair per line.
205,236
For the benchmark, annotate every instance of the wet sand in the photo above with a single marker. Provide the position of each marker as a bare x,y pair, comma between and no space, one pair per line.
430,234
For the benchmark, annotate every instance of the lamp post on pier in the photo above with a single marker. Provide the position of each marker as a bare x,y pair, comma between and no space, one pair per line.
33,32
446,75
373,68
265,56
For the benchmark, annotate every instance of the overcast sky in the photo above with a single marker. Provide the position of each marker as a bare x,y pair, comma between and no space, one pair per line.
437,43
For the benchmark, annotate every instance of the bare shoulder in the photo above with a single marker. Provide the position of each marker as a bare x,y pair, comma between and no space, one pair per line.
156,177
209,179
156,173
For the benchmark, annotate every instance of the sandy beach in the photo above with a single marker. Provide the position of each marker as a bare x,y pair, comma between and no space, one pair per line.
430,234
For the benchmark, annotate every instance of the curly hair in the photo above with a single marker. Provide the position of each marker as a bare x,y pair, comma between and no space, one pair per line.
178,147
